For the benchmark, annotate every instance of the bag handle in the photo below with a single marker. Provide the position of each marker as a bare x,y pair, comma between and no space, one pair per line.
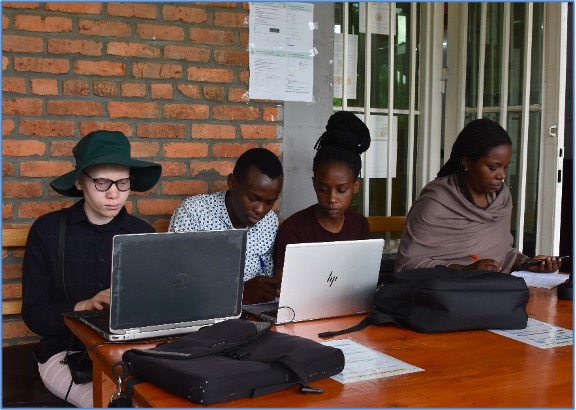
372,319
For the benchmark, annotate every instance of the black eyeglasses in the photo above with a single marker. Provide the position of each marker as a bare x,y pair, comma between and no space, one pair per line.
104,184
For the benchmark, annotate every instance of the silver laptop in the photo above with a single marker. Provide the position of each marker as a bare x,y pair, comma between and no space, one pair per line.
323,280
170,283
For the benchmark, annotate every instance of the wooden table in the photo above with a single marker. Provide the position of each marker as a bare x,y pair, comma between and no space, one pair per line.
461,369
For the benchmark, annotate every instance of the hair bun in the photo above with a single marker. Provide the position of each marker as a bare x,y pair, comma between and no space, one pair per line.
345,130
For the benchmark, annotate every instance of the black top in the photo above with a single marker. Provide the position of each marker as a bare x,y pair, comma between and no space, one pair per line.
87,267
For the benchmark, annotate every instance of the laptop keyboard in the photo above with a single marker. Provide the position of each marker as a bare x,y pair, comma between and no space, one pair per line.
97,317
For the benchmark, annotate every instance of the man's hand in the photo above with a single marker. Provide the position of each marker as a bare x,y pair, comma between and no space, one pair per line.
97,302
260,289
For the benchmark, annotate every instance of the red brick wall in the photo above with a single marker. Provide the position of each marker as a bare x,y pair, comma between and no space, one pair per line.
173,77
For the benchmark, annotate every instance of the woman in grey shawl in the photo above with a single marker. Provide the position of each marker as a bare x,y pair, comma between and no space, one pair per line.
462,218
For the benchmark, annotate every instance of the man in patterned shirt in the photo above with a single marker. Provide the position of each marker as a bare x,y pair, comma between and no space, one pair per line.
253,187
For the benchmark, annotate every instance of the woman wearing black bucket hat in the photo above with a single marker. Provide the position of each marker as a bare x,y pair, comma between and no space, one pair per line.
104,175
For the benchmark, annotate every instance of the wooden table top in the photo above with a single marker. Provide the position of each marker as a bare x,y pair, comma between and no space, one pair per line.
461,369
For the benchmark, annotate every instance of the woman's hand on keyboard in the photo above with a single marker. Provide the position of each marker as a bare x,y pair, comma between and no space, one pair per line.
95,303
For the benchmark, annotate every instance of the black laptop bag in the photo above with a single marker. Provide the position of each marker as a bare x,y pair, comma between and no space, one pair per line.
440,299
232,360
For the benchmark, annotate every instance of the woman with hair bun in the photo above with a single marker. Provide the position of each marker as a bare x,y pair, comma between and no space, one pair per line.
462,218
336,168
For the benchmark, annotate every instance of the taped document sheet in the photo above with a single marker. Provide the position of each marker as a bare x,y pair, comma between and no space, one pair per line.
540,334
363,363
541,280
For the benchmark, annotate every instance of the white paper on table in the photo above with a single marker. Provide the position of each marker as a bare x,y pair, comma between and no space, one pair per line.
540,334
364,363
541,280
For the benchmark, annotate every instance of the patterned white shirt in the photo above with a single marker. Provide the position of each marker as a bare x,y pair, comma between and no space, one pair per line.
207,212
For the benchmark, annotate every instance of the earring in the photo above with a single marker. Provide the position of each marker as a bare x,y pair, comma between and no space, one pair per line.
465,169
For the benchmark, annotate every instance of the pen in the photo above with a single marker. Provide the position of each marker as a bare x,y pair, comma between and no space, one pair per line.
262,264
475,257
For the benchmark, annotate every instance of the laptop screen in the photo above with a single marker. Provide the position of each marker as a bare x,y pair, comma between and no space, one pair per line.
160,279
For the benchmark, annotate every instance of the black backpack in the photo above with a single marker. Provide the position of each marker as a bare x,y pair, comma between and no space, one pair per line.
440,299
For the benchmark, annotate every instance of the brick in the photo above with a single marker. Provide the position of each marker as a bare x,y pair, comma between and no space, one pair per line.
144,149
218,4
275,148
270,114
21,106
230,19
161,130
184,14
190,91
244,39
80,108
7,209
105,89
156,70
213,131
14,85
235,113
88,126
49,24
42,169
8,169
212,37
183,187
187,53
133,110
161,91
22,148
218,186
238,95
76,87
33,210
124,49
5,22
103,28
42,65
47,128
186,111
7,126
19,189
5,63
222,168
231,150
244,76
22,44
62,148
157,206
185,150
173,169
103,68
213,93
231,57
12,271
258,131
160,32
44,86
141,11
75,8
74,46
210,75
15,329
19,5
133,89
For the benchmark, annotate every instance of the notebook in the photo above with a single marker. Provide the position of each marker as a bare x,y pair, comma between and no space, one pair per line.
164,284
323,280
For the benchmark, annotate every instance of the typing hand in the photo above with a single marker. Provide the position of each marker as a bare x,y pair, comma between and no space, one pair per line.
97,302
260,289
